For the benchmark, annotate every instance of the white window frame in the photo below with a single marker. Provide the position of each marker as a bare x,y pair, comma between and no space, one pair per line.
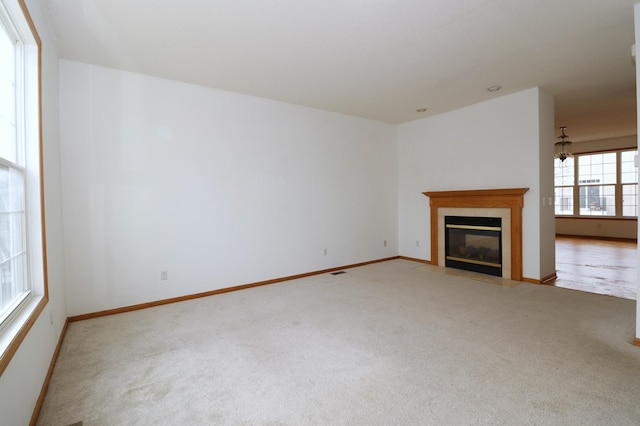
17,164
577,185
17,324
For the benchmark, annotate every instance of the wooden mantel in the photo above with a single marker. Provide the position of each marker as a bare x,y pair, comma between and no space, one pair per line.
511,198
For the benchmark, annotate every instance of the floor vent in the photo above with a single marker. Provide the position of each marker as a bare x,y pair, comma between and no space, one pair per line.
338,273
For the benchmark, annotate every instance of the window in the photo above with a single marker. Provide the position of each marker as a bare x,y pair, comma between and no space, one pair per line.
600,184
564,181
629,181
594,170
23,287
14,284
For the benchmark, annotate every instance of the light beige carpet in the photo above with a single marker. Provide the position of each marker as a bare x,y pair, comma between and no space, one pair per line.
388,343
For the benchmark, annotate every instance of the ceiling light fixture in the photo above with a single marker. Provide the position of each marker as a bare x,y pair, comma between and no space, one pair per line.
563,148
493,88
421,110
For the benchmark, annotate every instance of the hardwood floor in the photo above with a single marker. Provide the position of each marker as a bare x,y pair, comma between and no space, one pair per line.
597,266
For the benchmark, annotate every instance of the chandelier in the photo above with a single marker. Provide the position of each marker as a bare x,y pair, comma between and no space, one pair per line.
563,148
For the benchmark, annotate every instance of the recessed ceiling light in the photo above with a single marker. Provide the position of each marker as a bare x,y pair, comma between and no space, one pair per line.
421,110
493,88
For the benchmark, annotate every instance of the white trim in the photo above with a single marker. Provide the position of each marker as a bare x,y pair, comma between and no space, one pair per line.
17,319
14,310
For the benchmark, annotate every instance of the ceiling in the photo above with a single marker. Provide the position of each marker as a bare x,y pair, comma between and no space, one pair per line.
378,59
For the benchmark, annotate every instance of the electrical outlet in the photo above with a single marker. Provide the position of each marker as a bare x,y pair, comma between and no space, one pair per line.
384,243
164,275
324,252
417,243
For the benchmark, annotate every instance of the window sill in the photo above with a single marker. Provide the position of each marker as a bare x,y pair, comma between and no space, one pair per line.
598,218
12,335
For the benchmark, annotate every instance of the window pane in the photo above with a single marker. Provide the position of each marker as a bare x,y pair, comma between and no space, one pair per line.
564,201
7,101
7,140
6,286
628,172
597,168
564,172
5,237
12,214
12,283
630,200
7,96
12,238
16,191
597,200
8,90
7,53
16,229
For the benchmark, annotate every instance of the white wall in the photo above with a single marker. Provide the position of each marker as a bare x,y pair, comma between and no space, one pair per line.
595,145
494,144
597,227
21,382
546,176
636,14
219,189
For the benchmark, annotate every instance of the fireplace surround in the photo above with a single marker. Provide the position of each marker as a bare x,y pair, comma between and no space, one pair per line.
506,204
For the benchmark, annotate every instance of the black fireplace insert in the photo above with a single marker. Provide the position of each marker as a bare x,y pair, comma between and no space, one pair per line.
474,244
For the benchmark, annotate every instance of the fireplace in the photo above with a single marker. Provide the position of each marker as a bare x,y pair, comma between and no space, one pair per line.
506,204
474,244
